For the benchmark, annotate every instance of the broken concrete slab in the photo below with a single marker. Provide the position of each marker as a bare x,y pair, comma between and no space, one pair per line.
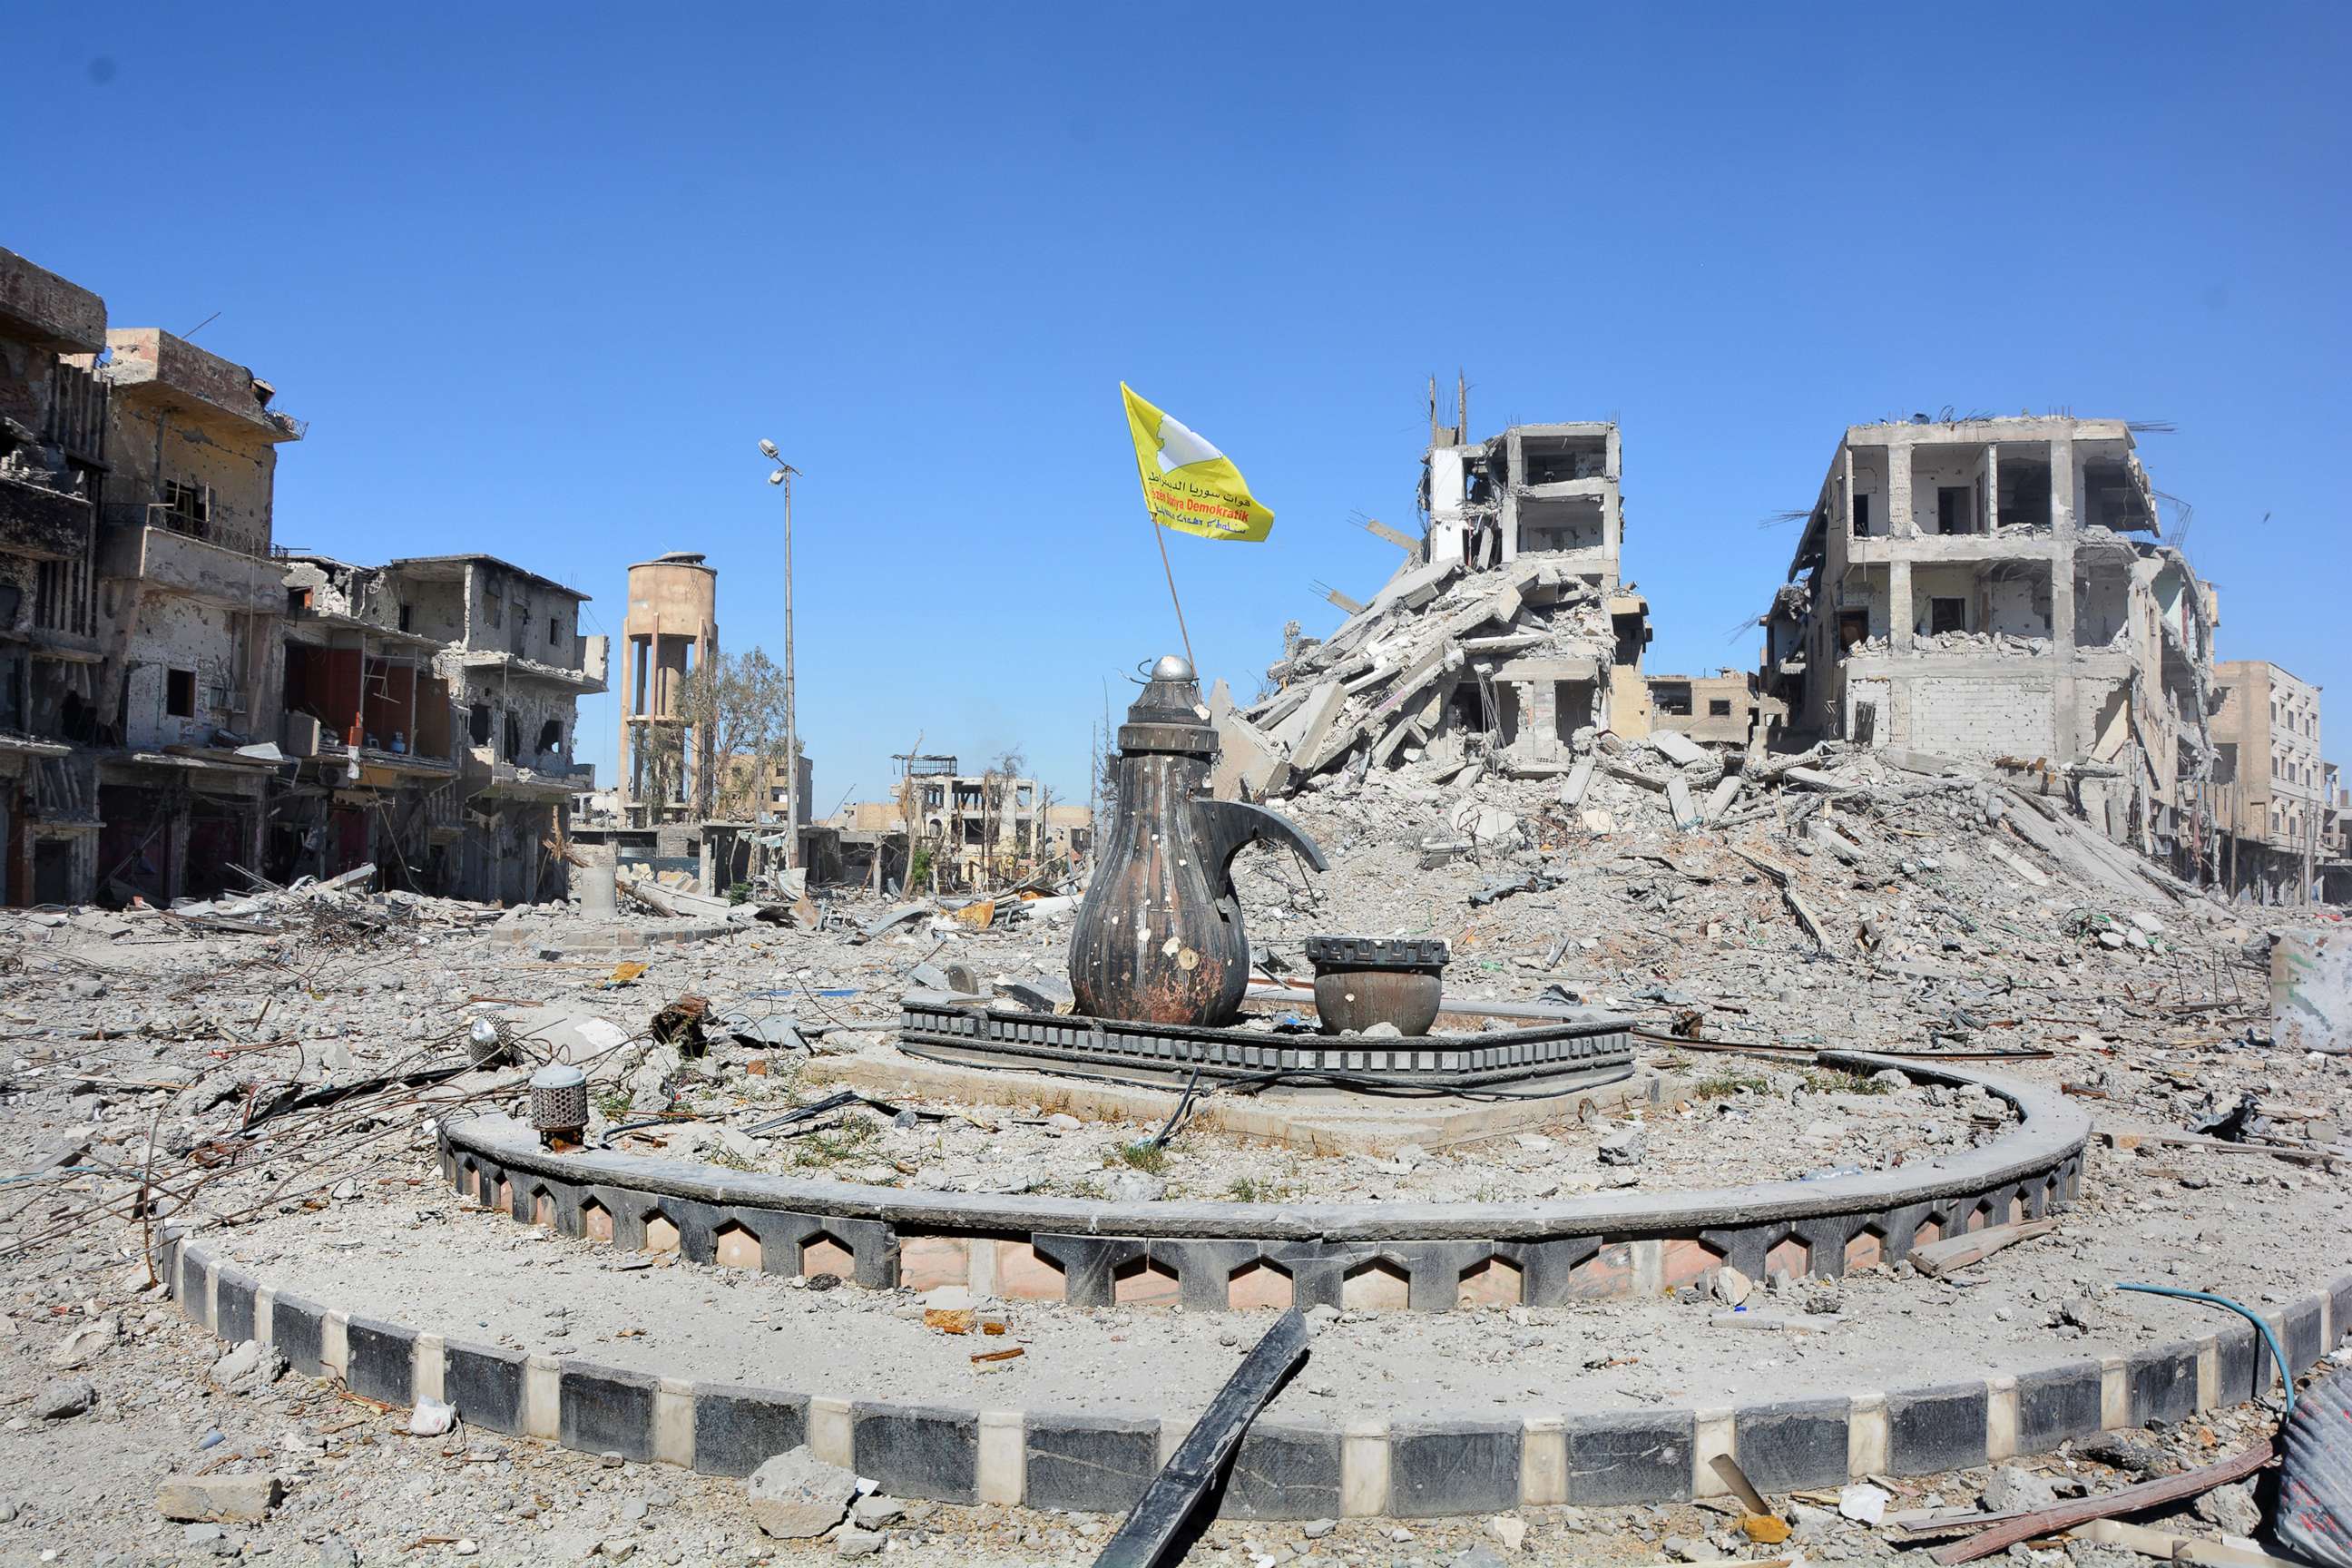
1677,747
2311,991
1678,801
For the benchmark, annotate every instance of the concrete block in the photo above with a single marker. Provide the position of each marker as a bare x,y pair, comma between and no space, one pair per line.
298,1329
2161,1384
2240,1356
1097,1464
1454,1467
1929,1430
738,1428
2311,991
2301,1336
1284,1472
600,1410
233,1306
217,1499
1792,1443
2056,1403
381,1361
1635,1457
915,1452
485,1384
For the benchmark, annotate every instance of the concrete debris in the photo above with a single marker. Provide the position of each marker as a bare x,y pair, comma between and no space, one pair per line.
217,1499
2015,1490
59,1400
795,1496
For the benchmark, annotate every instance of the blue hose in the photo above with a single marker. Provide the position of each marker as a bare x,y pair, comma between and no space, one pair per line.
2278,1356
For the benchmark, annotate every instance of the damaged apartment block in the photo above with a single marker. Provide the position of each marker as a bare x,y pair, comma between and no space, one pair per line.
1994,589
432,704
1506,639
182,701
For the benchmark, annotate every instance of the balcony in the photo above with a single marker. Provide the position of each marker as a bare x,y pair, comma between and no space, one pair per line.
515,667
175,562
45,524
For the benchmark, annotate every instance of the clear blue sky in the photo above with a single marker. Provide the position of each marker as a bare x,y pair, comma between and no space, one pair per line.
540,277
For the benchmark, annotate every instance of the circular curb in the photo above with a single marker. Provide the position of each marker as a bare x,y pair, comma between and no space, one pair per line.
1215,1256
1294,1470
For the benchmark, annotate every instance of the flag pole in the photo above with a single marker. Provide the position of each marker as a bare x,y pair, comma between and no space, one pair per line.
1161,535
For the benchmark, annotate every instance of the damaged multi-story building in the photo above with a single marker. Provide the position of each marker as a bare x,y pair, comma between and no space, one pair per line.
189,598
2273,787
1995,589
52,484
182,703
1505,634
431,704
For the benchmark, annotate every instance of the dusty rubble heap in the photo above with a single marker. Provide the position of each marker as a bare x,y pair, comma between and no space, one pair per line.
1508,665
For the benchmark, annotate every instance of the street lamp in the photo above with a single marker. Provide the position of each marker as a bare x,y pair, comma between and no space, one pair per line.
782,475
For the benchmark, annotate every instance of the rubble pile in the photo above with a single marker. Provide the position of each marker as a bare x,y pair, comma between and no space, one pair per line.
276,1066
1372,694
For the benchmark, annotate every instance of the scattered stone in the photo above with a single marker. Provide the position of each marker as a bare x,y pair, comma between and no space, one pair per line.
2231,1508
1625,1146
1731,1287
1509,1529
1317,1529
2015,1490
875,1512
217,1497
84,1345
1687,1548
856,1543
1479,1555
65,1398
796,1496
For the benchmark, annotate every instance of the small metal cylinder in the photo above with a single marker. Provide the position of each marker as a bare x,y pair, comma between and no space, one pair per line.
559,1101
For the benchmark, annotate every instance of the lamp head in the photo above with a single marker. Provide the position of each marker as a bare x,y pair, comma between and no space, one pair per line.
768,449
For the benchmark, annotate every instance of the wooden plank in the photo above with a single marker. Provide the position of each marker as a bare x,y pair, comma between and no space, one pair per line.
1153,1531
2129,1500
1955,1252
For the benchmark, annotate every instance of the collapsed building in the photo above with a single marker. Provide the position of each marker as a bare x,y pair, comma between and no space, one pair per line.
969,831
183,701
1994,589
1507,636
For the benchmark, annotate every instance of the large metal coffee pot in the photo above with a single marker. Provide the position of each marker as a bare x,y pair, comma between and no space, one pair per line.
1159,939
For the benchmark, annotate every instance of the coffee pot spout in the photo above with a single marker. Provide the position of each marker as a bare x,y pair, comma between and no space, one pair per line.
1229,826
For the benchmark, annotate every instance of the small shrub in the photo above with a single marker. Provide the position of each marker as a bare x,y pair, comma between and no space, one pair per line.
1724,1085
1144,1156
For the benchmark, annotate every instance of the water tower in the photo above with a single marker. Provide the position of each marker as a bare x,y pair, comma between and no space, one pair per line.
672,629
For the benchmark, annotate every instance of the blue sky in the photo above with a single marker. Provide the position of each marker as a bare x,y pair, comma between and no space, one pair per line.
540,279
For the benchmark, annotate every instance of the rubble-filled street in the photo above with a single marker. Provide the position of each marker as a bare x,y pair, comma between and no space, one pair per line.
271,1073
1682,903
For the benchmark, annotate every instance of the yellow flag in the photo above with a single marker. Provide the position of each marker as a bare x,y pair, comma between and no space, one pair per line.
1188,485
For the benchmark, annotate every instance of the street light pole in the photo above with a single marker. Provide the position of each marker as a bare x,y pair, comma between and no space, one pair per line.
783,476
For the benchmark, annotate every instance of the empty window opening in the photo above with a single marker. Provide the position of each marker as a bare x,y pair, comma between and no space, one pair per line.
180,693
550,735
1861,516
187,508
2024,495
514,739
407,617
1947,616
1572,705
555,632
1469,705
1672,697
1853,627
478,723
1551,526
1718,707
1952,508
